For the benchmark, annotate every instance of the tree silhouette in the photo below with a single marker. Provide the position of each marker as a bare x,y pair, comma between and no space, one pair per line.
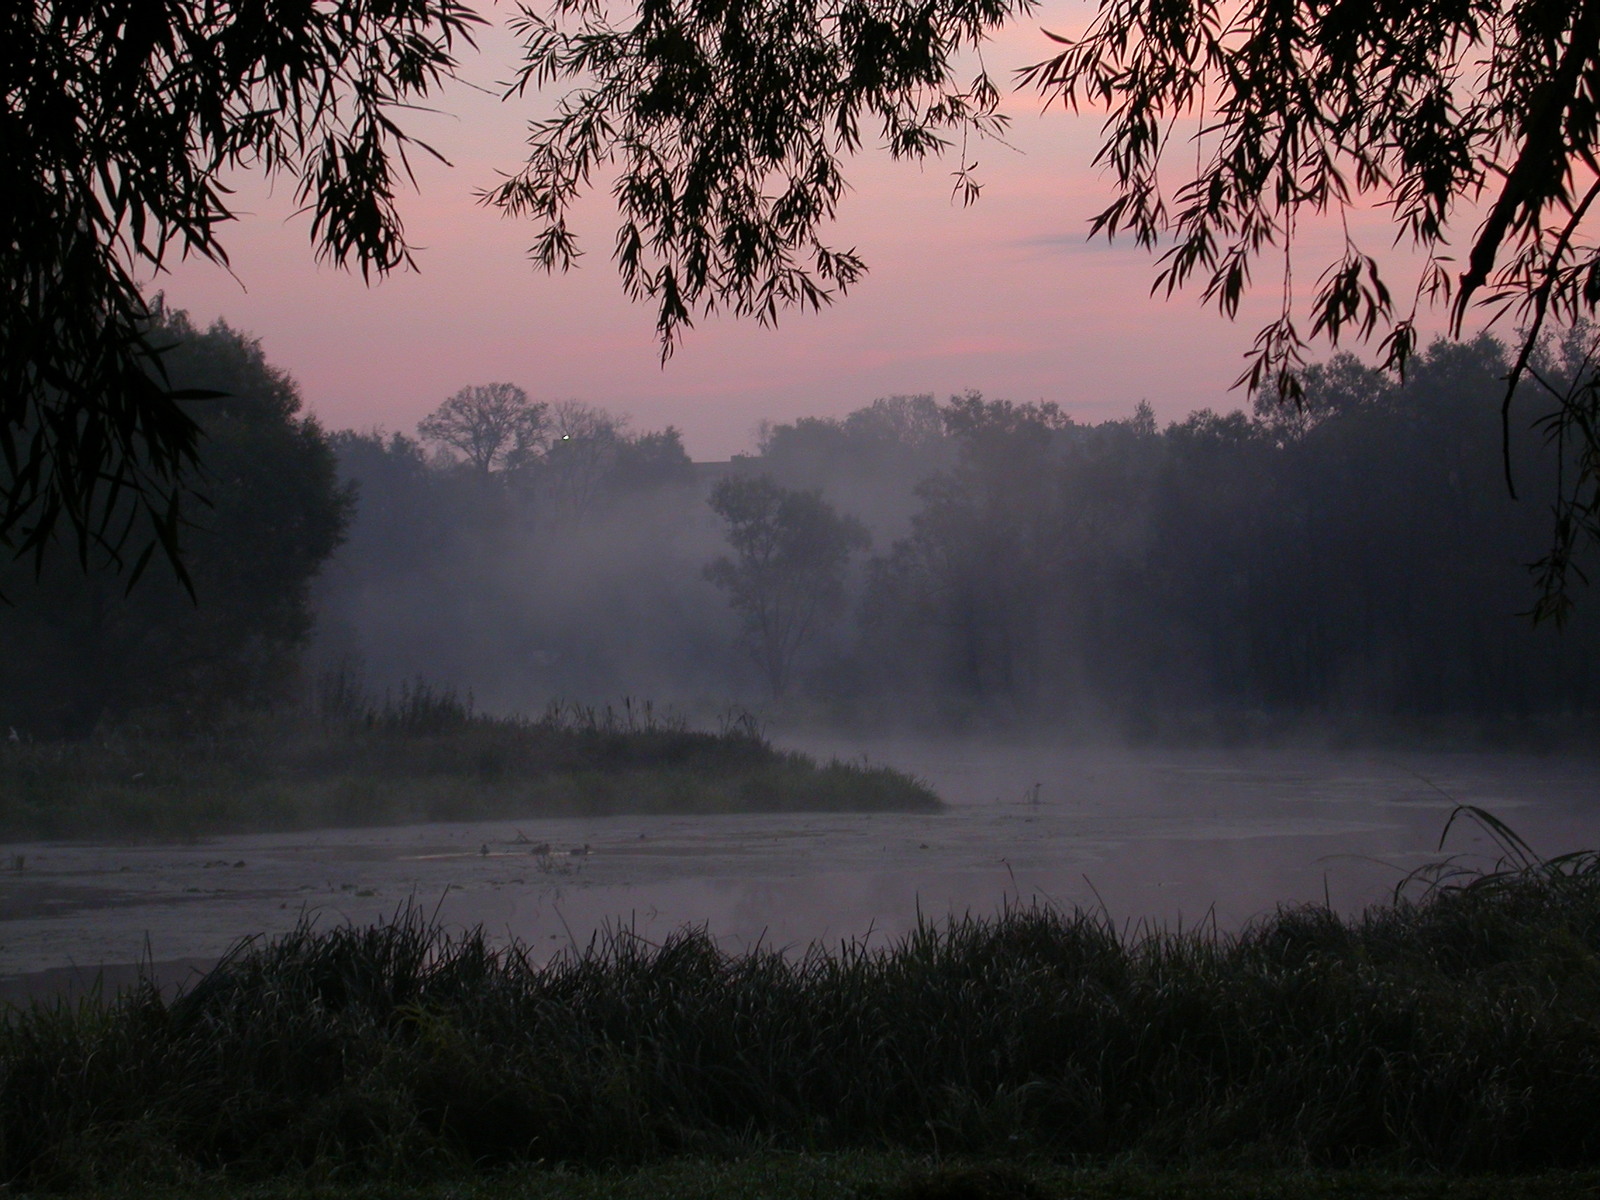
1420,107
725,128
791,549
77,645
494,424
122,118
1426,109
729,123
581,456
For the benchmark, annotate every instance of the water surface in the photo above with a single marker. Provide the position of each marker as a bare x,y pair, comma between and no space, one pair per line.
1172,837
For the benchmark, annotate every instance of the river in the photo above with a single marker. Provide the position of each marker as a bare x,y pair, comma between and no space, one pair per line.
1175,837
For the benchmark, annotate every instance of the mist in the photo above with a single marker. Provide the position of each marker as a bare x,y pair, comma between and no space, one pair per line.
938,655
953,705
1351,570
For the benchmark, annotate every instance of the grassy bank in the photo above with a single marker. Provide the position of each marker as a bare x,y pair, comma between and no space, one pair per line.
1455,1031
869,1175
422,756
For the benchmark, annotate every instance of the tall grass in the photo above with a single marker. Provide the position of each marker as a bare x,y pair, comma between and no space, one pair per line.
1459,1029
422,754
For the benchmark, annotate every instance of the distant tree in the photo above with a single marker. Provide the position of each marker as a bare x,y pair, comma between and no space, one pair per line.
494,424
447,578
402,502
908,422
1338,386
982,577
582,454
1343,557
788,571
725,128
592,462
647,461
909,427
77,647
868,463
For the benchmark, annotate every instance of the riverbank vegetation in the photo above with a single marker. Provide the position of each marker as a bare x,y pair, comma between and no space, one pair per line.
885,1175
1454,1030
423,754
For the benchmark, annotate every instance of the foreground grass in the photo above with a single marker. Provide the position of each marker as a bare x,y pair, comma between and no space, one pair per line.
1455,1032
424,757
886,1176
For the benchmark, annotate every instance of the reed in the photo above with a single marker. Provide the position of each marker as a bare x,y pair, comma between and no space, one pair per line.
422,754
1455,1029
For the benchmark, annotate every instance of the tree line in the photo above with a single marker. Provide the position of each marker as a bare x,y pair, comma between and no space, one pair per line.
971,560
980,559
565,563
1343,554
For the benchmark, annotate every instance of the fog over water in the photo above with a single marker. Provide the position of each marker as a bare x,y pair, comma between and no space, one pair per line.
1031,595
1181,836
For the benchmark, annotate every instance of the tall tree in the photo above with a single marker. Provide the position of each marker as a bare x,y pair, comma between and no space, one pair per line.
787,574
77,646
494,424
868,463
121,121
581,457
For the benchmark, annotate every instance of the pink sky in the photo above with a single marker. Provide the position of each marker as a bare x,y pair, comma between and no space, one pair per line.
1004,296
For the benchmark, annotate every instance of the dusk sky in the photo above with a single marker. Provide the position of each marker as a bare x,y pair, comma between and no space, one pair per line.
1005,296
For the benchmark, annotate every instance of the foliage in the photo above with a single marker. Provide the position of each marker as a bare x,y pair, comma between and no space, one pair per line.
1572,427
1011,558
1418,108
494,424
122,120
868,461
1454,1033
651,461
76,647
1328,569
729,123
1427,110
593,461
787,577
581,457
726,126
1328,560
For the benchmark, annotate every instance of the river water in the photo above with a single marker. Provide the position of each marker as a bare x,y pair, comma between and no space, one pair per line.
1174,837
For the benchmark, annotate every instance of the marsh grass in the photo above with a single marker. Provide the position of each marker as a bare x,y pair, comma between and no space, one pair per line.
1457,1030
424,754
868,1175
